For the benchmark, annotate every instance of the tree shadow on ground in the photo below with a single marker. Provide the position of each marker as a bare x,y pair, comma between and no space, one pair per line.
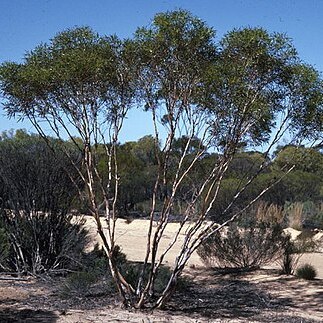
307,296
233,296
27,315
263,296
15,298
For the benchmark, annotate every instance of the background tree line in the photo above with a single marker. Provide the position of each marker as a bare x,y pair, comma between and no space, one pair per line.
26,165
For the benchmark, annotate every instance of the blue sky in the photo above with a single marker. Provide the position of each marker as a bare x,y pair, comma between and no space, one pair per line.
26,23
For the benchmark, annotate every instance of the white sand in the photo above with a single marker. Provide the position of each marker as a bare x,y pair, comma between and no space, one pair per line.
132,237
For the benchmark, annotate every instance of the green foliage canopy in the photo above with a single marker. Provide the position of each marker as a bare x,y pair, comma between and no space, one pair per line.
255,78
78,75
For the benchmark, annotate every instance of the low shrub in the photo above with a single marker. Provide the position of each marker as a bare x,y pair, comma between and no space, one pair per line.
243,248
95,261
79,283
95,276
37,190
132,271
306,271
42,242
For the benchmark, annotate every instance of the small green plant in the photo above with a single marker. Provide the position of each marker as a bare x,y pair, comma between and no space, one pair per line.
95,262
131,272
79,283
95,274
306,271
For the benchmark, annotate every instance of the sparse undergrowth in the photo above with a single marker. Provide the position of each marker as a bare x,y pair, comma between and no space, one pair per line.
94,277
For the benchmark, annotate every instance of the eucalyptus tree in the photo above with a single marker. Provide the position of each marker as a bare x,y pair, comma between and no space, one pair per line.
247,90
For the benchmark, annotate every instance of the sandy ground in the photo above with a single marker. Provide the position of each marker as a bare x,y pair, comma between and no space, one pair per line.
262,296
132,239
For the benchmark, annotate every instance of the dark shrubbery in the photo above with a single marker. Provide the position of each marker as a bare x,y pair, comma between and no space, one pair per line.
93,271
289,258
244,248
42,242
78,283
35,199
306,271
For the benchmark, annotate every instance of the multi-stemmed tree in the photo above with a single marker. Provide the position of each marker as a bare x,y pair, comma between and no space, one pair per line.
249,89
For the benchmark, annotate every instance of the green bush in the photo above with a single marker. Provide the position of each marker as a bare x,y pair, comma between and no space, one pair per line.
130,270
306,271
36,195
79,283
243,248
95,261
43,242
93,275
95,272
